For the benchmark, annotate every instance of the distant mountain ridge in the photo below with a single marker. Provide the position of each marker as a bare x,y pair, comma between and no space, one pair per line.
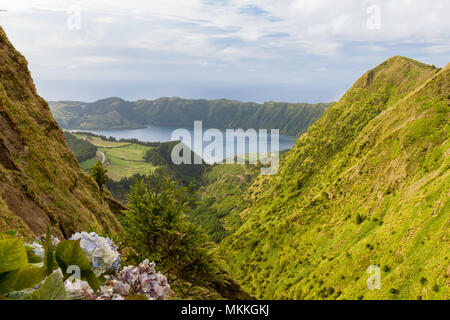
115,113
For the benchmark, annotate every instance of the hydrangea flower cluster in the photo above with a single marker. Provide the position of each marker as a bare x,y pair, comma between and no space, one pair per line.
142,280
80,290
101,252
104,257
131,280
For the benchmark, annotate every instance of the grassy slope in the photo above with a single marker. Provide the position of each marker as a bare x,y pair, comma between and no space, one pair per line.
219,194
368,184
123,159
40,181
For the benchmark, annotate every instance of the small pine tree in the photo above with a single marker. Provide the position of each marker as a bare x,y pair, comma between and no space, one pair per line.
156,227
98,172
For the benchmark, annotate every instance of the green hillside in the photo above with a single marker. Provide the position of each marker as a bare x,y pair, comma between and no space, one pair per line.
114,113
127,160
219,193
121,159
40,181
367,184
43,190
81,148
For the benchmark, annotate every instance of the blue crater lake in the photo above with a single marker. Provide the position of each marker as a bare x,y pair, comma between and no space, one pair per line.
164,134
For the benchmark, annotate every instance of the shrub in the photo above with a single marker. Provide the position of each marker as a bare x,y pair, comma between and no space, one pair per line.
359,218
156,227
98,173
394,291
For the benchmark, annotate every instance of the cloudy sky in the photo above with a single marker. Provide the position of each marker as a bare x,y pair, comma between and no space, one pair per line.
279,50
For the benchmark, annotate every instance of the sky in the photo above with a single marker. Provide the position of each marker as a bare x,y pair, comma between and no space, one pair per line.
248,50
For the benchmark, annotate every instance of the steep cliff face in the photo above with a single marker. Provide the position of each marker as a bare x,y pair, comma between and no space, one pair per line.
367,184
40,181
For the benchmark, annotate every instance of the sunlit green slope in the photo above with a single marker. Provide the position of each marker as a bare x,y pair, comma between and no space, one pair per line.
219,194
367,184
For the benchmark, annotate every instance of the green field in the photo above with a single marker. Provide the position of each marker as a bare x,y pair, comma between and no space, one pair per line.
85,165
130,152
96,141
123,159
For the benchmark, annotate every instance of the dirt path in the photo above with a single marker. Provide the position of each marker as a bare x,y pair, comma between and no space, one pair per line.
103,156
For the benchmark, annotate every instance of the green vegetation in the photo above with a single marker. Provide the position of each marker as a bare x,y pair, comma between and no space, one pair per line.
367,184
20,273
156,227
219,186
98,173
122,159
40,180
186,173
86,165
219,193
82,149
128,160
114,113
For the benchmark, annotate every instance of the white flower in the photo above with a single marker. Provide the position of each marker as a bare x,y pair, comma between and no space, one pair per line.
121,288
143,280
101,252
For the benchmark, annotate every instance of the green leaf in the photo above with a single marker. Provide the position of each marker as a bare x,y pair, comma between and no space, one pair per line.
92,279
68,253
33,257
26,277
48,247
10,234
52,289
12,255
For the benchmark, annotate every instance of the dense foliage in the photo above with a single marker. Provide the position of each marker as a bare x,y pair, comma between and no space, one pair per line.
98,173
186,173
115,113
220,193
156,227
82,149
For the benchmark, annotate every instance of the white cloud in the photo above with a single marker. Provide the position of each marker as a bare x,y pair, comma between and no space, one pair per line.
256,35
304,21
